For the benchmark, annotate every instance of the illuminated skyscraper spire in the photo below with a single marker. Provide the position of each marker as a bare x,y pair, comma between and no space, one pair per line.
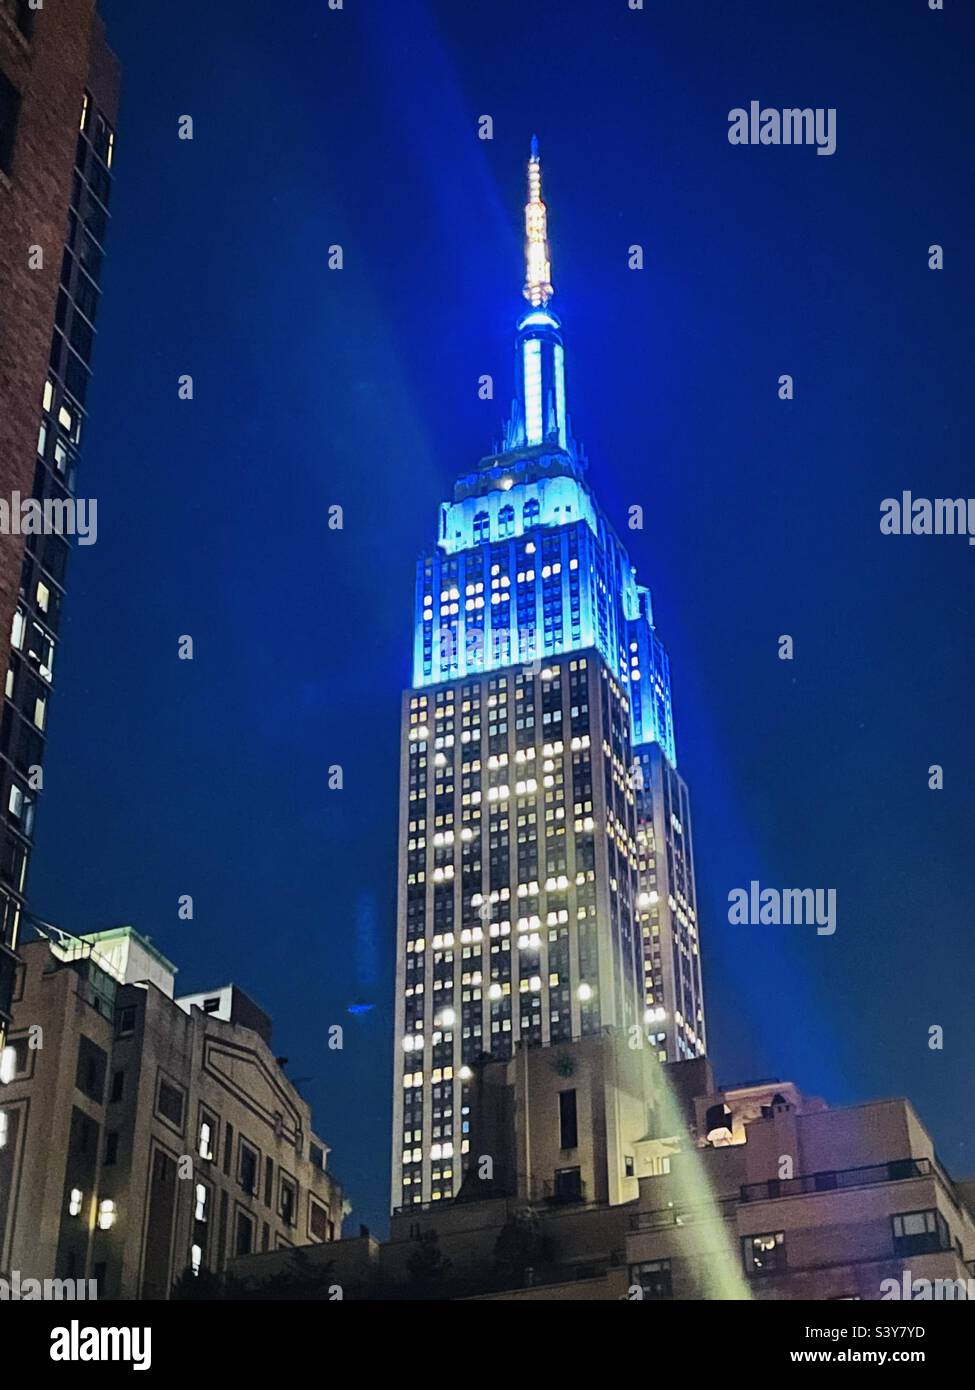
546,875
538,415
538,270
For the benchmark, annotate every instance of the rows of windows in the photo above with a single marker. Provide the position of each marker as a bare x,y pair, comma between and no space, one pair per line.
502,927
37,618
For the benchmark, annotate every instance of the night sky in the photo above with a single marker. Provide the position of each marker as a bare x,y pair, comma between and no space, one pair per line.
359,387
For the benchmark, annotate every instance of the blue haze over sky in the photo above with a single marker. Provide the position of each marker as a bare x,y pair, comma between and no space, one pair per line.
359,387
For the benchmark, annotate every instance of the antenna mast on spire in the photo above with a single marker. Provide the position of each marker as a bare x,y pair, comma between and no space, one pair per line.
538,270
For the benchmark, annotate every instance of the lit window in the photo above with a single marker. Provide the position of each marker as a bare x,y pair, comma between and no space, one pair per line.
560,395
533,390
764,1254
8,1065
206,1139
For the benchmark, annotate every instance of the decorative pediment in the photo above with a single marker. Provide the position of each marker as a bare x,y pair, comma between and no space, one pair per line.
247,1075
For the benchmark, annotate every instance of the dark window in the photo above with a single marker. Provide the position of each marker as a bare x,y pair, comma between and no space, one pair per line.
920,1233
26,15
243,1234
222,1239
170,1103
653,1278
76,378
764,1254
88,252
125,1021
9,112
94,218
289,1201
86,297
268,1182
118,1086
85,1133
90,1076
568,1185
248,1165
228,1148
318,1221
568,1129
111,1148
82,337
99,181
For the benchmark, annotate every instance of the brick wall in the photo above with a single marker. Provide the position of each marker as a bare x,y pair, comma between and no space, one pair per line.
50,72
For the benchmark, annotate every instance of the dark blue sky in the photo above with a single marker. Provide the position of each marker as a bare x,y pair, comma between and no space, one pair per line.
358,387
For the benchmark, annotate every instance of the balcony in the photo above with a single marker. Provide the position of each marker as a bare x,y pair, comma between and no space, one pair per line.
721,1209
833,1181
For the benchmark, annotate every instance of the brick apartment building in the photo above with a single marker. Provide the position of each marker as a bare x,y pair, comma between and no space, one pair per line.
58,107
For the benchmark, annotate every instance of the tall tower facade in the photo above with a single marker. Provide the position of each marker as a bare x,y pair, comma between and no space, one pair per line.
546,884
58,103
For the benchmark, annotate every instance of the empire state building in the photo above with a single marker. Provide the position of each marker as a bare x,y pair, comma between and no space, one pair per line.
546,873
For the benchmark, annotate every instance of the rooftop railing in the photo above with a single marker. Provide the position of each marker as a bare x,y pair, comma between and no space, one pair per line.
837,1179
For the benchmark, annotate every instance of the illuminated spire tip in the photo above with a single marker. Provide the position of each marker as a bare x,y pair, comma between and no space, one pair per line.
538,269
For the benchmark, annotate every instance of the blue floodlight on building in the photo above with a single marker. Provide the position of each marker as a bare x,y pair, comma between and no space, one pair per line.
587,595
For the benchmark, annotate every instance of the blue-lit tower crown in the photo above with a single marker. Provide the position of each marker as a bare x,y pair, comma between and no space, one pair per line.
546,872
526,566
